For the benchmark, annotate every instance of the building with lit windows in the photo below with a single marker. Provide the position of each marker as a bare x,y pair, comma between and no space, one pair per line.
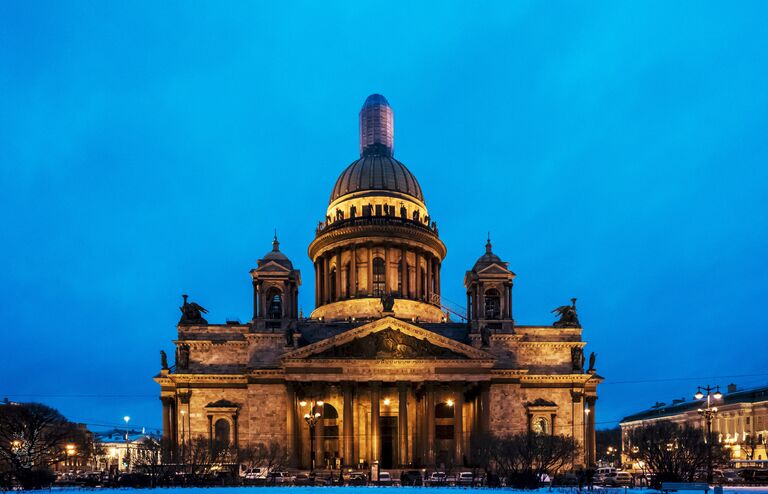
740,424
383,366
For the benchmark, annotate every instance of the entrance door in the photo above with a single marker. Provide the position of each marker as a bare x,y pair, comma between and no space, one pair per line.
388,430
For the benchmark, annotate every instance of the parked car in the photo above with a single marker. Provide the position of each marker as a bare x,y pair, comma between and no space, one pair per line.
357,479
617,479
437,478
385,478
465,478
602,473
568,479
255,473
731,477
411,477
279,478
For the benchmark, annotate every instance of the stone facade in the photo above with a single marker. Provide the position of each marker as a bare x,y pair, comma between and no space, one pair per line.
404,378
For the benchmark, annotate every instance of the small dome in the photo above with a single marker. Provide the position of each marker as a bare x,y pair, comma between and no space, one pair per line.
376,172
488,258
276,256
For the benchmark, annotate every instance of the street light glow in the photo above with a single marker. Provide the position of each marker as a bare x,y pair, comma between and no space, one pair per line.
126,418
387,401
449,402
303,403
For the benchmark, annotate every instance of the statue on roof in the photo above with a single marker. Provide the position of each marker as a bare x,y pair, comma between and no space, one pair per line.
387,302
192,313
485,336
577,359
182,357
568,316
592,357
163,360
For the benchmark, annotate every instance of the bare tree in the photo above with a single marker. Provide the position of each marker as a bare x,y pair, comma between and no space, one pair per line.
523,458
673,453
33,437
271,456
148,458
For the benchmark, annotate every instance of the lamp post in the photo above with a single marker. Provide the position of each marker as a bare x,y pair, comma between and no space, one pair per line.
127,444
311,417
588,460
708,413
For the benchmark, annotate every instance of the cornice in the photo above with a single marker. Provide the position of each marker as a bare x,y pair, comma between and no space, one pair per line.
385,232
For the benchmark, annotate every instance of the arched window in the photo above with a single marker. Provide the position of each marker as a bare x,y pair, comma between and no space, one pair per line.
540,426
492,304
379,274
331,444
221,433
333,283
275,301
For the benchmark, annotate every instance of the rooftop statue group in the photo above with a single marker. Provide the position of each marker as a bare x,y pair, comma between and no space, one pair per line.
568,316
192,313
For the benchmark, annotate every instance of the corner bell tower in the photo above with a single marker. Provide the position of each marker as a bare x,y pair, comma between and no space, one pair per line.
275,290
489,293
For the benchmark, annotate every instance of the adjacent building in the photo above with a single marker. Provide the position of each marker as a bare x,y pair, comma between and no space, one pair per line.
383,370
741,422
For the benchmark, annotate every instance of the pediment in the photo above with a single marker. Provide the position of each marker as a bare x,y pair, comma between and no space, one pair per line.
272,266
495,269
389,338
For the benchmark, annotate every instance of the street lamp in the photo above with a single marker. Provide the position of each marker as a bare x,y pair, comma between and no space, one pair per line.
311,417
708,414
127,451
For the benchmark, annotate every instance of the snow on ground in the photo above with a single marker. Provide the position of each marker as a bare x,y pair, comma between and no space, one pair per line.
423,490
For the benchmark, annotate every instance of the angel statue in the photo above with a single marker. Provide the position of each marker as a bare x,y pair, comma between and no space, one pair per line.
568,317
192,313
163,360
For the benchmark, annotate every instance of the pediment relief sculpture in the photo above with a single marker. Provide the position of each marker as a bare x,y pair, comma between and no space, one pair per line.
389,344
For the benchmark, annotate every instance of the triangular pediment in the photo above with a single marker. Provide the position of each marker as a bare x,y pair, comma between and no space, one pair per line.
272,266
495,269
389,338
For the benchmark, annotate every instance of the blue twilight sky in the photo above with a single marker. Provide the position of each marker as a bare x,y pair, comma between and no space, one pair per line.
616,151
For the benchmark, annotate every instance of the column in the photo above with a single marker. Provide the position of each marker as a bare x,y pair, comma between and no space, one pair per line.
353,273
349,430
319,436
418,276
292,441
338,274
458,424
375,399
403,274
370,270
167,402
402,425
485,408
236,432
210,432
590,436
326,279
429,423
317,284
387,270
255,300
469,307
437,276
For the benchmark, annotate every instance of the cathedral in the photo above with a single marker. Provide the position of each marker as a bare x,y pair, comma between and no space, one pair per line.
383,371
